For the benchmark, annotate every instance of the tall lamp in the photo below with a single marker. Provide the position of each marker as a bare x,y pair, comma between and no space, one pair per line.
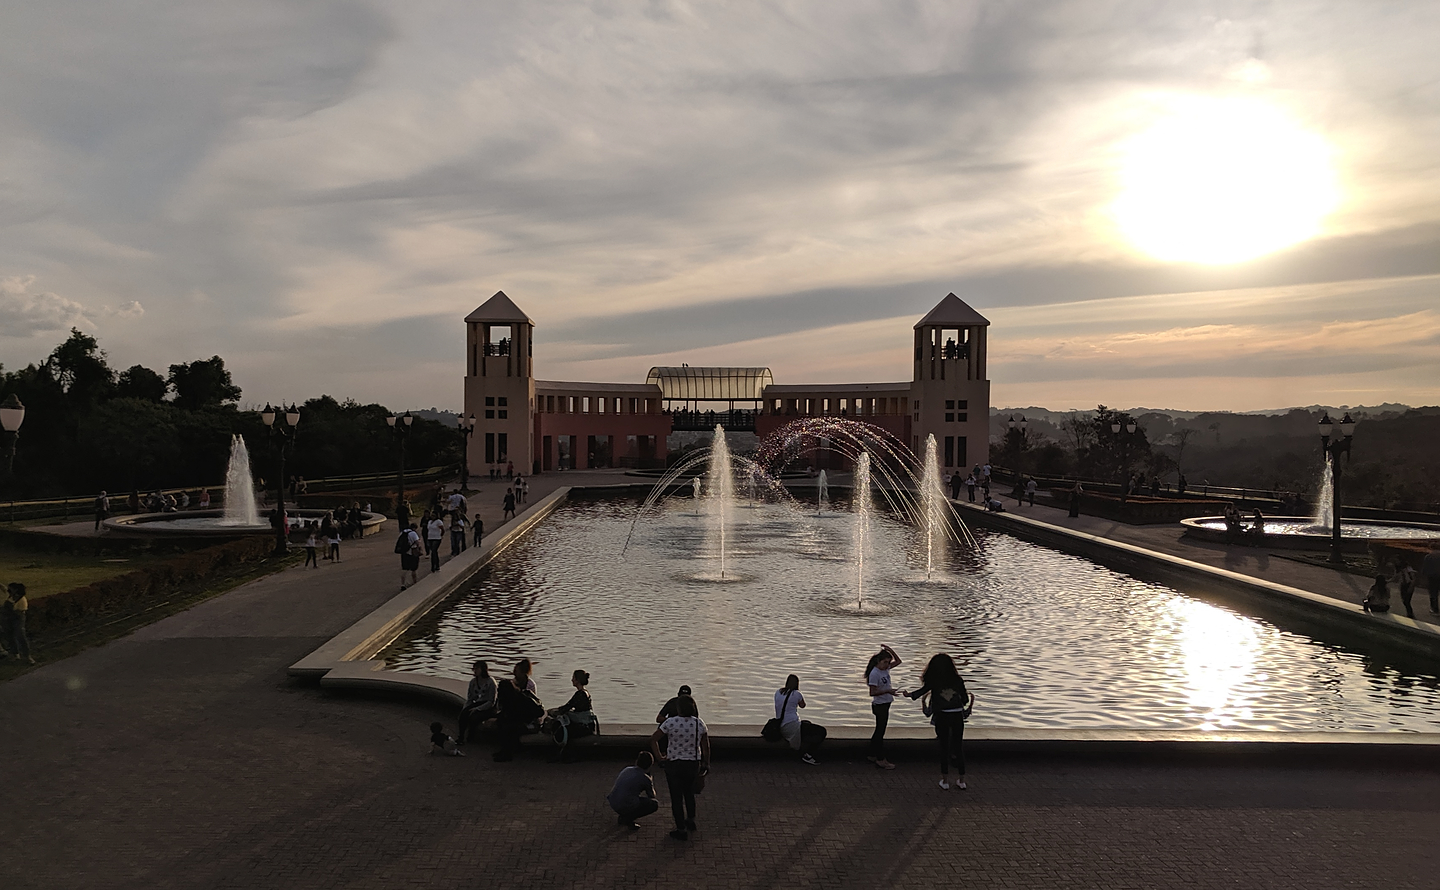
12,414
400,424
467,429
281,425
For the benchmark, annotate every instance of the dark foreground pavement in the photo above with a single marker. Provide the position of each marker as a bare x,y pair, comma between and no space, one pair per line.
184,756
196,763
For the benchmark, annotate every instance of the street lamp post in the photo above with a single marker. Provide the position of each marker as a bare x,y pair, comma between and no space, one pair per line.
282,437
1340,445
1129,431
1017,443
467,429
12,414
400,424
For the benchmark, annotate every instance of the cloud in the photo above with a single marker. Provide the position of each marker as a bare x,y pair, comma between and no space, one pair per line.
26,312
343,182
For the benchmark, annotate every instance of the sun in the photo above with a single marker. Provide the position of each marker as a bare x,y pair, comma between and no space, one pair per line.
1222,181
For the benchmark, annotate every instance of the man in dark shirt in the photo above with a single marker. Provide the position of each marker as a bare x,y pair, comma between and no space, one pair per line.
633,796
671,708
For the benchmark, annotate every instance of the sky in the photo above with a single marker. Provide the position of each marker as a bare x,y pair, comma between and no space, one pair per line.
320,192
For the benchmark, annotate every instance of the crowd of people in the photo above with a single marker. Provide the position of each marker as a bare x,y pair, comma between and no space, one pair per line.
680,743
1403,576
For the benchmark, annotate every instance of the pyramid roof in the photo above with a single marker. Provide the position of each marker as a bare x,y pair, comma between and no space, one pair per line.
952,312
499,308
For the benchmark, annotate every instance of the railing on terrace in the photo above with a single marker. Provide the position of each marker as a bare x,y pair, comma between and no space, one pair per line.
81,506
695,421
1269,500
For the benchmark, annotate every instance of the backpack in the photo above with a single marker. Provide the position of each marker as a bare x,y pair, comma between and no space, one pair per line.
402,543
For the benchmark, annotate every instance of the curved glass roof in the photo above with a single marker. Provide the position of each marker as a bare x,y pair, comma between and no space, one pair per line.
714,384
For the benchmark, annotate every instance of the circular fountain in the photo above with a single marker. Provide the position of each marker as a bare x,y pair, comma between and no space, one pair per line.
1309,533
239,516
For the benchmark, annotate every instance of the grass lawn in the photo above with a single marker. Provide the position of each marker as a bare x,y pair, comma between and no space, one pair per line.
47,573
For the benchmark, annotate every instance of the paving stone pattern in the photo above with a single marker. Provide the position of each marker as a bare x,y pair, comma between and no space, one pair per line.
183,756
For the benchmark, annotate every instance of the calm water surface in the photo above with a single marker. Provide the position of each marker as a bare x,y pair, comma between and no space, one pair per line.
1044,639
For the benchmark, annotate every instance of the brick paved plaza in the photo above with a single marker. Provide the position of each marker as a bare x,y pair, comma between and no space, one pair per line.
183,756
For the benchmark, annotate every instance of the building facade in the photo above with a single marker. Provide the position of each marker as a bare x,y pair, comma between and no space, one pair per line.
542,425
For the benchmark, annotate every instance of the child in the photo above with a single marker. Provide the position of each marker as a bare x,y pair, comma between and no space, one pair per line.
441,743
479,526
310,545
334,543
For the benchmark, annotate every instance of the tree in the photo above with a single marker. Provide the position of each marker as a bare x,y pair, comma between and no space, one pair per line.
1180,438
78,365
139,382
203,383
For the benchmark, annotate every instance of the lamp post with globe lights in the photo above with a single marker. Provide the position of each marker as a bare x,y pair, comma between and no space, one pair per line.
1130,428
12,414
467,429
1334,446
280,425
400,424
1015,426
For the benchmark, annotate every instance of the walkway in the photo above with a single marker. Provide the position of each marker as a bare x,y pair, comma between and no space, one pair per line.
183,756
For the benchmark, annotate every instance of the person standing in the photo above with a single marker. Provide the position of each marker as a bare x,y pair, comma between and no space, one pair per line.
955,483
882,693
509,469
801,735
18,606
1430,568
1405,578
519,706
1030,487
333,539
509,505
948,705
970,487
633,796
434,534
1075,495
310,544
102,509
686,760
457,532
409,548
478,525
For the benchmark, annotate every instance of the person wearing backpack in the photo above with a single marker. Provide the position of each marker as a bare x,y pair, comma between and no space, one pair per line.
948,705
409,547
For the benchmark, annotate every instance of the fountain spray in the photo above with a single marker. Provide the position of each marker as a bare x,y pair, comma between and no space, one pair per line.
823,492
722,490
860,504
932,504
240,508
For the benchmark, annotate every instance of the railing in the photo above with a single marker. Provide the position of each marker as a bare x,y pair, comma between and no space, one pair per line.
82,506
1269,499
694,421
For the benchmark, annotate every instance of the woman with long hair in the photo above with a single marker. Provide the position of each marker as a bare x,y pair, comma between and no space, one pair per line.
948,704
877,676
480,700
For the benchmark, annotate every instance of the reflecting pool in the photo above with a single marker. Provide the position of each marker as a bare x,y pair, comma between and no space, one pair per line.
1044,639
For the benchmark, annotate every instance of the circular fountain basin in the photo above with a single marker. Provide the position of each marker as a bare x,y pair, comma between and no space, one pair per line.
212,523
1303,533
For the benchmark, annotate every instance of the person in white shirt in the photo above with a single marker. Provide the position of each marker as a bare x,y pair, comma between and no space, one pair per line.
802,735
686,760
877,675
409,548
434,534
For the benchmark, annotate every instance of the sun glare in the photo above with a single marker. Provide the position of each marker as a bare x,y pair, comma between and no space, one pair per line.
1221,181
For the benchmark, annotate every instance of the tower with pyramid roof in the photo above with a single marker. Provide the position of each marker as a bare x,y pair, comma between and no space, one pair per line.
949,392
499,384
